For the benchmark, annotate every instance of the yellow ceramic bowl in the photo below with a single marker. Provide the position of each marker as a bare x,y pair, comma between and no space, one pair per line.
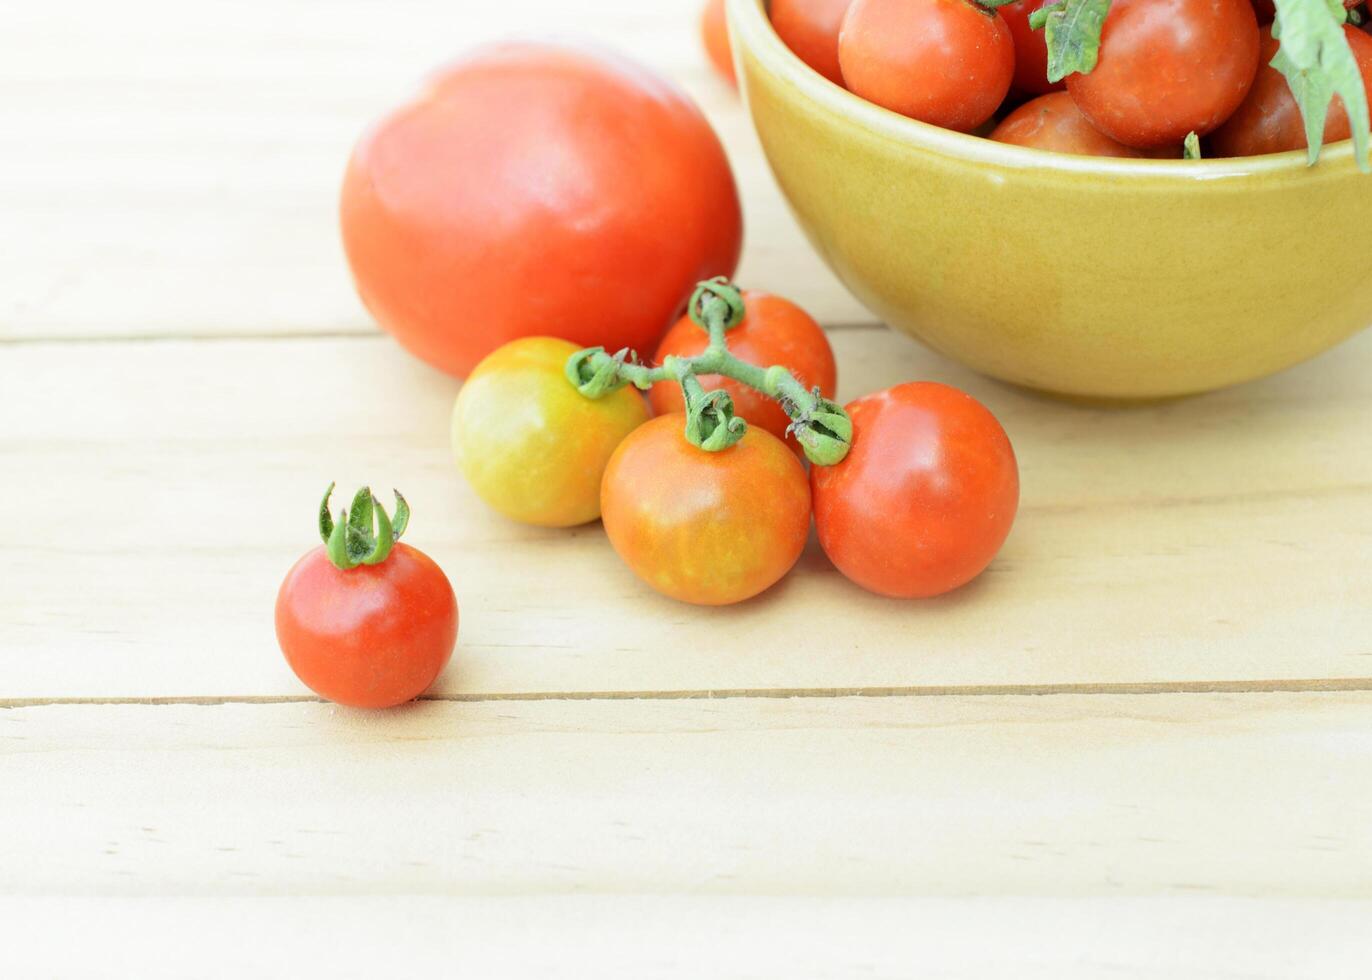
1114,279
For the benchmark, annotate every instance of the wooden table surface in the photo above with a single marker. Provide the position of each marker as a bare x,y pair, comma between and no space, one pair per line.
1140,744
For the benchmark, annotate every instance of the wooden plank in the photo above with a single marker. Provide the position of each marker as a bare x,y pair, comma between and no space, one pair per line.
164,489
645,937
175,175
1252,795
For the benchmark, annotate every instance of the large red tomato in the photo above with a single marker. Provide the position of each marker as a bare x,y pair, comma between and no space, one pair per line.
537,189
1269,121
773,331
1053,122
1168,68
926,495
945,62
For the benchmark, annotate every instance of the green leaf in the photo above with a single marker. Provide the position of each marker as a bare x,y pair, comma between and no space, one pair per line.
1318,64
325,519
1190,147
402,514
1071,29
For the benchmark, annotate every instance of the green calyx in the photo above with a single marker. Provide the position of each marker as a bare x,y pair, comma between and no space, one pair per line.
821,426
365,534
1071,30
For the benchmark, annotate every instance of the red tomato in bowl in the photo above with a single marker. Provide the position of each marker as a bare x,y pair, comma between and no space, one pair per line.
702,527
810,29
1269,121
537,189
773,331
926,495
1053,122
373,636
1031,50
944,62
714,35
1168,68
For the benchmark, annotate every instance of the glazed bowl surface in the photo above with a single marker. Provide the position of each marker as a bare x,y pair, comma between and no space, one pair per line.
1082,276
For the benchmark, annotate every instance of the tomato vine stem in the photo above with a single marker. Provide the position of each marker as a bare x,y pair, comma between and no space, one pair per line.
820,425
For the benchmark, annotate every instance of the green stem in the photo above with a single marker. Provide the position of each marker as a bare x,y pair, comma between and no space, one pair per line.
821,426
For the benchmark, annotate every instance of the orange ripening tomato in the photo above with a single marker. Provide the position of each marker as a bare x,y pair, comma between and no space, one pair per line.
945,62
926,495
702,527
773,331
537,189
1031,49
1269,121
714,34
810,29
373,636
1168,68
1053,122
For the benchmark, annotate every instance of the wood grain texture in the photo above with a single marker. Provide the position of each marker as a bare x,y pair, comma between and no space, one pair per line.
164,173
650,937
1252,795
167,487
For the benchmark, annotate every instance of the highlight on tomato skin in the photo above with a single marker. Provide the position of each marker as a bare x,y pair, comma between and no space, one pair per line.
486,208
944,62
1269,120
926,495
709,528
774,331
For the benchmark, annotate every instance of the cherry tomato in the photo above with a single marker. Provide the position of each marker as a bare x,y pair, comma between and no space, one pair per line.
530,444
1053,122
531,189
708,528
714,34
945,62
1031,50
773,331
1168,68
373,636
924,498
810,29
1269,121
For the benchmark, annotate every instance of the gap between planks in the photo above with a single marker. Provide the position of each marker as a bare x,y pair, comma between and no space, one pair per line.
1309,686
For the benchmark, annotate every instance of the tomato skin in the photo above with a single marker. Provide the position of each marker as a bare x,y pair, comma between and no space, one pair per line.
926,495
714,35
773,331
1169,67
1269,121
944,62
810,29
531,445
373,636
1031,50
706,528
536,188
1053,122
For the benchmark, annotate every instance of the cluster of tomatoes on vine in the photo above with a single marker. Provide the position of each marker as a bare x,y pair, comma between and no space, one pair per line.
1115,78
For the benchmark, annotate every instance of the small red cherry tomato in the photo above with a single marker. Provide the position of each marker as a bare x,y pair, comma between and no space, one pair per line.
708,528
714,35
1269,121
945,62
537,189
368,635
926,495
810,29
1053,122
1168,68
1031,50
773,331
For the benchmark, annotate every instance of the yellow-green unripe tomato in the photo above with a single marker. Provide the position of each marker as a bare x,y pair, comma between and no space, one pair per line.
531,445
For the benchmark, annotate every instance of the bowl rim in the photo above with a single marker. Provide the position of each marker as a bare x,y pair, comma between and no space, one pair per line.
748,21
